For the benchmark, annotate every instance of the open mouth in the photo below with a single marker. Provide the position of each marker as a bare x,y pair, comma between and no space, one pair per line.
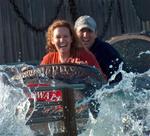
62,45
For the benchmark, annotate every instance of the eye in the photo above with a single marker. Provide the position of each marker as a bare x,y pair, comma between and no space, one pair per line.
57,36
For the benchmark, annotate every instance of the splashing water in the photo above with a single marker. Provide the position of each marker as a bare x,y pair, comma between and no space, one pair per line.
142,53
124,108
13,108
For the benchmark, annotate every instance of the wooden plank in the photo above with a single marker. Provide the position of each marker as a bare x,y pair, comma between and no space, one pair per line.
2,58
17,37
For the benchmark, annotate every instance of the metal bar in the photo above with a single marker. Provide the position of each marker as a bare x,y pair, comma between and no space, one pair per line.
43,88
69,112
43,120
60,134
44,104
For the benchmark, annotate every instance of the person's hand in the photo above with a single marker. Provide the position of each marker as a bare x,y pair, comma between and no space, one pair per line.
82,108
26,68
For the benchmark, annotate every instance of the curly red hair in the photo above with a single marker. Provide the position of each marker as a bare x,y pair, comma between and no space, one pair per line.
75,45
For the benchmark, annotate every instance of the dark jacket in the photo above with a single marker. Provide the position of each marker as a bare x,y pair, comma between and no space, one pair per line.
108,58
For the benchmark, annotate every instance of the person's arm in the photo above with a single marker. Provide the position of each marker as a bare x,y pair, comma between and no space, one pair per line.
108,57
116,60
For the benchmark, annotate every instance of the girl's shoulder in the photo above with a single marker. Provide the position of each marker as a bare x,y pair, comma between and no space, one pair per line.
51,54
49,58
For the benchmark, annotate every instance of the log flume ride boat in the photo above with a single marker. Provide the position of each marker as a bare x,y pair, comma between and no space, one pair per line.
58,91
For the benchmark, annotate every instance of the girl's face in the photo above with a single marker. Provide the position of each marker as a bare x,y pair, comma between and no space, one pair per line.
62,40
